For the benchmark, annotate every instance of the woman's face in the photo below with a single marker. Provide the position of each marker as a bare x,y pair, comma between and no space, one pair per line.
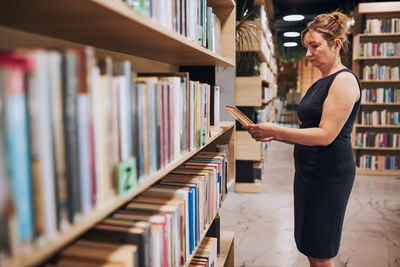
319,52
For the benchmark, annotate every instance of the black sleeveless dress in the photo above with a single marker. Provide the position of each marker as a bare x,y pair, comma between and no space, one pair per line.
324,177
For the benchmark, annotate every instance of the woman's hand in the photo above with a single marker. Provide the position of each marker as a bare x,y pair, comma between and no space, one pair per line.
261,132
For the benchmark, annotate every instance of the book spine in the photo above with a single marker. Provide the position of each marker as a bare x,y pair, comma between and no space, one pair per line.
59,139
17,136
83,146
70,89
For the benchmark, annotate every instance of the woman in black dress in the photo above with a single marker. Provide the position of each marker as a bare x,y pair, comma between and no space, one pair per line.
323,155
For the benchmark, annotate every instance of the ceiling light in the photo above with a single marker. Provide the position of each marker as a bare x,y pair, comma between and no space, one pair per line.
290,44
291,34
293,17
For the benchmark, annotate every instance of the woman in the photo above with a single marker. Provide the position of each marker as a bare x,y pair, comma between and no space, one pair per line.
323,155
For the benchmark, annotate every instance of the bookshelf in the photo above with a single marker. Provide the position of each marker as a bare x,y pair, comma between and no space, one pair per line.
255,91
124,34
375,34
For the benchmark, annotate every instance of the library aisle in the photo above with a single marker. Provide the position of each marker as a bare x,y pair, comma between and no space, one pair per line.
263,223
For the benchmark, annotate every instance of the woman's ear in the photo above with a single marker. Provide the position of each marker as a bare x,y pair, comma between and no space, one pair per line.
338,44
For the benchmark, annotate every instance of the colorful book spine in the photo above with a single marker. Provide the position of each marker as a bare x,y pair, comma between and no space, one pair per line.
17,138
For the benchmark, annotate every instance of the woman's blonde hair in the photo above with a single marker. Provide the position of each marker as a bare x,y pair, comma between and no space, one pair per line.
332,26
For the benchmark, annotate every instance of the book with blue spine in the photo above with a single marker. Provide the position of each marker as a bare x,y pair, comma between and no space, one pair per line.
17,139
84,157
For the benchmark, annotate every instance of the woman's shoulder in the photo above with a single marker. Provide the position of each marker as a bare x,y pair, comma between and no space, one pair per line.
347,78
346,75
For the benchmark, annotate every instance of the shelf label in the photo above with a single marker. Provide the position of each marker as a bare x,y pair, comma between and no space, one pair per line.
127,177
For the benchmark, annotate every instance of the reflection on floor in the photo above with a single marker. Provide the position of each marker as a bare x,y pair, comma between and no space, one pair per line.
263,223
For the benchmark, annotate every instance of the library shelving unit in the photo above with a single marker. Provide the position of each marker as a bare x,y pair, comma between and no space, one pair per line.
112,28
376,30
258,92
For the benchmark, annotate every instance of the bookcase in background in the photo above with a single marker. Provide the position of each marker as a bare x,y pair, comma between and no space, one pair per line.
116,30
376,60
255,91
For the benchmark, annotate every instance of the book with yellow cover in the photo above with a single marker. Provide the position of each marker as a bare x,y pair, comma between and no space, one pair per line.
238,115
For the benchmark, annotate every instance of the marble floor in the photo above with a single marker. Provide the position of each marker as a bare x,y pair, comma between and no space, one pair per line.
263,223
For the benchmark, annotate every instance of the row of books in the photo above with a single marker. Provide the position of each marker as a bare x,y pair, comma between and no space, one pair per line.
382,117
378,26
266,73
380,95
164,225
77,129
268,93
206,255
380,72
381,163
372,139
191,18
384,49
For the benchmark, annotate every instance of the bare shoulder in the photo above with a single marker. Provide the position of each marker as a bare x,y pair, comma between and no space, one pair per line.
346,83
347,77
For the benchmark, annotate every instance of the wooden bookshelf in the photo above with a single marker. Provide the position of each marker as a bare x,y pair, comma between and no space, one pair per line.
247,148
120,29
378,173
377,148
362,13
377,126
380,104
39,254
248,91
116,30
227,243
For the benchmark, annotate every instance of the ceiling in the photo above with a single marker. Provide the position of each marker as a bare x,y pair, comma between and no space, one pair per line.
308,8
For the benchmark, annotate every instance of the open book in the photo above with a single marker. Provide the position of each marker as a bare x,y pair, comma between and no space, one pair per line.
238,115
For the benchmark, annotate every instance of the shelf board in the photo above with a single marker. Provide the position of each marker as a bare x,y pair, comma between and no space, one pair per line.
111,25
361,35
377,58
380,81
377,126
380,104
40,254
377,148
248,187
377,172
378,7
226,243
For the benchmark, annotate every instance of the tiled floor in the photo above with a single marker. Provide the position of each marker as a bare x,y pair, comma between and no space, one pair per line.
263,223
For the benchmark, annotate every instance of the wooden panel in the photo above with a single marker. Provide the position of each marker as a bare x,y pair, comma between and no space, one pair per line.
377,173
379,7
227,246
227,17
248,91
246,147
107,24
248,187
